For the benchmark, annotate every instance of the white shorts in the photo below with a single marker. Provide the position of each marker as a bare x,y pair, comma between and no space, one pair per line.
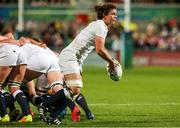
68,65
43,62
12,55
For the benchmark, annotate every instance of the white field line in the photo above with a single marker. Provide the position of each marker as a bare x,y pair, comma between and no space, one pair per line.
138,104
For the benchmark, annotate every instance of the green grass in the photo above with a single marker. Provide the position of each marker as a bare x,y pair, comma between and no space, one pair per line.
144,97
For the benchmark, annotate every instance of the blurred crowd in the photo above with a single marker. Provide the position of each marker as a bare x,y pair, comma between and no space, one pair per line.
71,2
163,35
57,34
159,36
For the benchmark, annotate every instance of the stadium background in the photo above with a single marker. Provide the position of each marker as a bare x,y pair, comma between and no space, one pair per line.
148,94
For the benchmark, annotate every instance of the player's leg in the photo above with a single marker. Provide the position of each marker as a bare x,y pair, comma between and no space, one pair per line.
14,83
8,59
4,72
26,89
81,101
74,83
56,85
75,111
56,112
55,82
13,111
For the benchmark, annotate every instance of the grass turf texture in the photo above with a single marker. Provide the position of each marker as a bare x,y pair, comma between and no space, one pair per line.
145,97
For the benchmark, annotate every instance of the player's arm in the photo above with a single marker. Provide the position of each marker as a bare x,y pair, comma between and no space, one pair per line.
31,88
9,41
103,52
8,38
3,38
24,40
38,42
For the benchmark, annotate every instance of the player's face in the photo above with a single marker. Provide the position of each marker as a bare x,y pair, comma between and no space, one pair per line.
111,17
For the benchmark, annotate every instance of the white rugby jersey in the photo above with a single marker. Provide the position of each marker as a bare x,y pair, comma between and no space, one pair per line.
31,49
84,42
12,55
40,59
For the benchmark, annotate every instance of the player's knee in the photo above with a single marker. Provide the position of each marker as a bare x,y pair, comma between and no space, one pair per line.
56,86
75,90
69,94
13,86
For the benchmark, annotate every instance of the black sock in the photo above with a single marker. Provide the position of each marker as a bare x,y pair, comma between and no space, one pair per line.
59,108
71,105
81,101
54,99
9,101
36,100
2,105
22,101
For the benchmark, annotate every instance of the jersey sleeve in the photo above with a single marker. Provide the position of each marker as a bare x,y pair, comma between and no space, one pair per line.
100,30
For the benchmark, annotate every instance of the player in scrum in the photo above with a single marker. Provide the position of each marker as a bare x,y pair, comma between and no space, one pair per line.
72,57
37,57
39,60
13,64
41,89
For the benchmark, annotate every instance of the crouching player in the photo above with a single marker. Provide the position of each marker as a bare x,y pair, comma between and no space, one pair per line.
42,89
13,63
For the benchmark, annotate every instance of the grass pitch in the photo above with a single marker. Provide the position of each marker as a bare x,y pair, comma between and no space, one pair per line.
145,97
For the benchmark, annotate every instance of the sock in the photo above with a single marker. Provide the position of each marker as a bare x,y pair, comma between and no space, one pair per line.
59,108
9,101
71,105
36,100
54,98
2,105
22,101
81,101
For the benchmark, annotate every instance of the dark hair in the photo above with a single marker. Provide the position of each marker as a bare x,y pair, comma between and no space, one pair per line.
103,10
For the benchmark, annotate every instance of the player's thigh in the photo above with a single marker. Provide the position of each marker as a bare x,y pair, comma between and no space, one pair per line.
4,72
54,76
70,67
18,72
30,75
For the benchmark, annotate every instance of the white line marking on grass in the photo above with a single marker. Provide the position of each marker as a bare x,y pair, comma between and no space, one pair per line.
137,104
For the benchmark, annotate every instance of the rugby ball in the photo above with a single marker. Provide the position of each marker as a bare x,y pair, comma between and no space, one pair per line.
116,74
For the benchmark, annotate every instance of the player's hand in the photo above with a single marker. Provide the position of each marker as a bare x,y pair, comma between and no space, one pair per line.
43,45
22,41
16,42
113,64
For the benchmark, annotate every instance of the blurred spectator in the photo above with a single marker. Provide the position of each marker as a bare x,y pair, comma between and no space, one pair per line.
158,36
116,44
72,30
151,39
